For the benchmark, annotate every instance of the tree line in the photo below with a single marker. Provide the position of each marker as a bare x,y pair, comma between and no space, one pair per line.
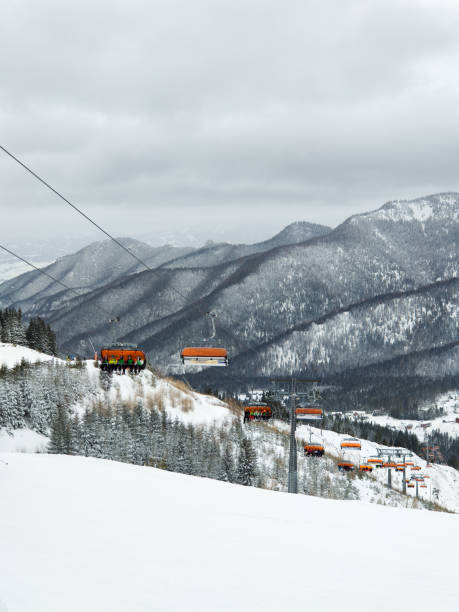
146,436
30,395
36,335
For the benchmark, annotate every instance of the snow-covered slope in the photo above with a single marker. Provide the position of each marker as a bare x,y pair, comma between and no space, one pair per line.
13,354
85,534
174,397
181,403
446,423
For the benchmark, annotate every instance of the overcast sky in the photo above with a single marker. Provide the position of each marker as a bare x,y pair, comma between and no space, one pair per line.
232,118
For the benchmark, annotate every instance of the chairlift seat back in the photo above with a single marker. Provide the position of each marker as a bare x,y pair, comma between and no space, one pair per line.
204,356
309,414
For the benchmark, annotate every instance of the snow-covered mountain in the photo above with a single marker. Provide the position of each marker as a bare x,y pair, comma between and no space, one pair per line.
91,267
380,286
103,262
386,275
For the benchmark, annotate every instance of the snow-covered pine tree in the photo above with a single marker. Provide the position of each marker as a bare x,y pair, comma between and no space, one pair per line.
227,471
247,463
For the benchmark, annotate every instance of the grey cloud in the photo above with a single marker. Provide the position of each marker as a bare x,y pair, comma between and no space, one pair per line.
220,111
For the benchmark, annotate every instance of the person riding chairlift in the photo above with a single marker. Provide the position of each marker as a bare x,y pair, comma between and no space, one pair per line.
121,366
130,363
112,362
138,364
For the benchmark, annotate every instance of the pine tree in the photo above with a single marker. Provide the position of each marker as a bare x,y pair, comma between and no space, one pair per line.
227,472
247,463
59,439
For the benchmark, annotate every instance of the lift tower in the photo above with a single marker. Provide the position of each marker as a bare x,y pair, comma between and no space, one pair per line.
394,452
288,391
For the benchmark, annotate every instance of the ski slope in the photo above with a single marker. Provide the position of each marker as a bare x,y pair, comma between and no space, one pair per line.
83,534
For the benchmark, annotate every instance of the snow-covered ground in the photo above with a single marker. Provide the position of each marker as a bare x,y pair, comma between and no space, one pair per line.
22,441
87,534
12,354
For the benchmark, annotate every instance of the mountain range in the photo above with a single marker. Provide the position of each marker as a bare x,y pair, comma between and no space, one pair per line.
380,286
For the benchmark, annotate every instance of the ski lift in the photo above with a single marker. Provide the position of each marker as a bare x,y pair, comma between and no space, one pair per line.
257,412
389,465
194,355
423,486
205,355
345,466
415,468
353,443
309,414
365,467
409,463
121,357
314,450
410,485
376,462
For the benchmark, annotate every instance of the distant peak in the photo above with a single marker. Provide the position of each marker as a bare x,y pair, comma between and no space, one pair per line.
300,231
436,206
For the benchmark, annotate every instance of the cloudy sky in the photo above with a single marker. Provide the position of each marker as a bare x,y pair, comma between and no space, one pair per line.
223,118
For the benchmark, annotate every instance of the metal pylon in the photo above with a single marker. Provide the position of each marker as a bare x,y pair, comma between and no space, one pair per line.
292,459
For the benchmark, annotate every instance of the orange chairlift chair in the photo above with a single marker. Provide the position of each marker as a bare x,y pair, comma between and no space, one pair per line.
205,355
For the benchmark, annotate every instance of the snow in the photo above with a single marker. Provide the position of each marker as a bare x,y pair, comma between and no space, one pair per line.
83,534
22,441
12,354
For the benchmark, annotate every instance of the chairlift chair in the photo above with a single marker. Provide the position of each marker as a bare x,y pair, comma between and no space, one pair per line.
205,355
376,462
309,414
345,466
257,411
314,450
352,443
